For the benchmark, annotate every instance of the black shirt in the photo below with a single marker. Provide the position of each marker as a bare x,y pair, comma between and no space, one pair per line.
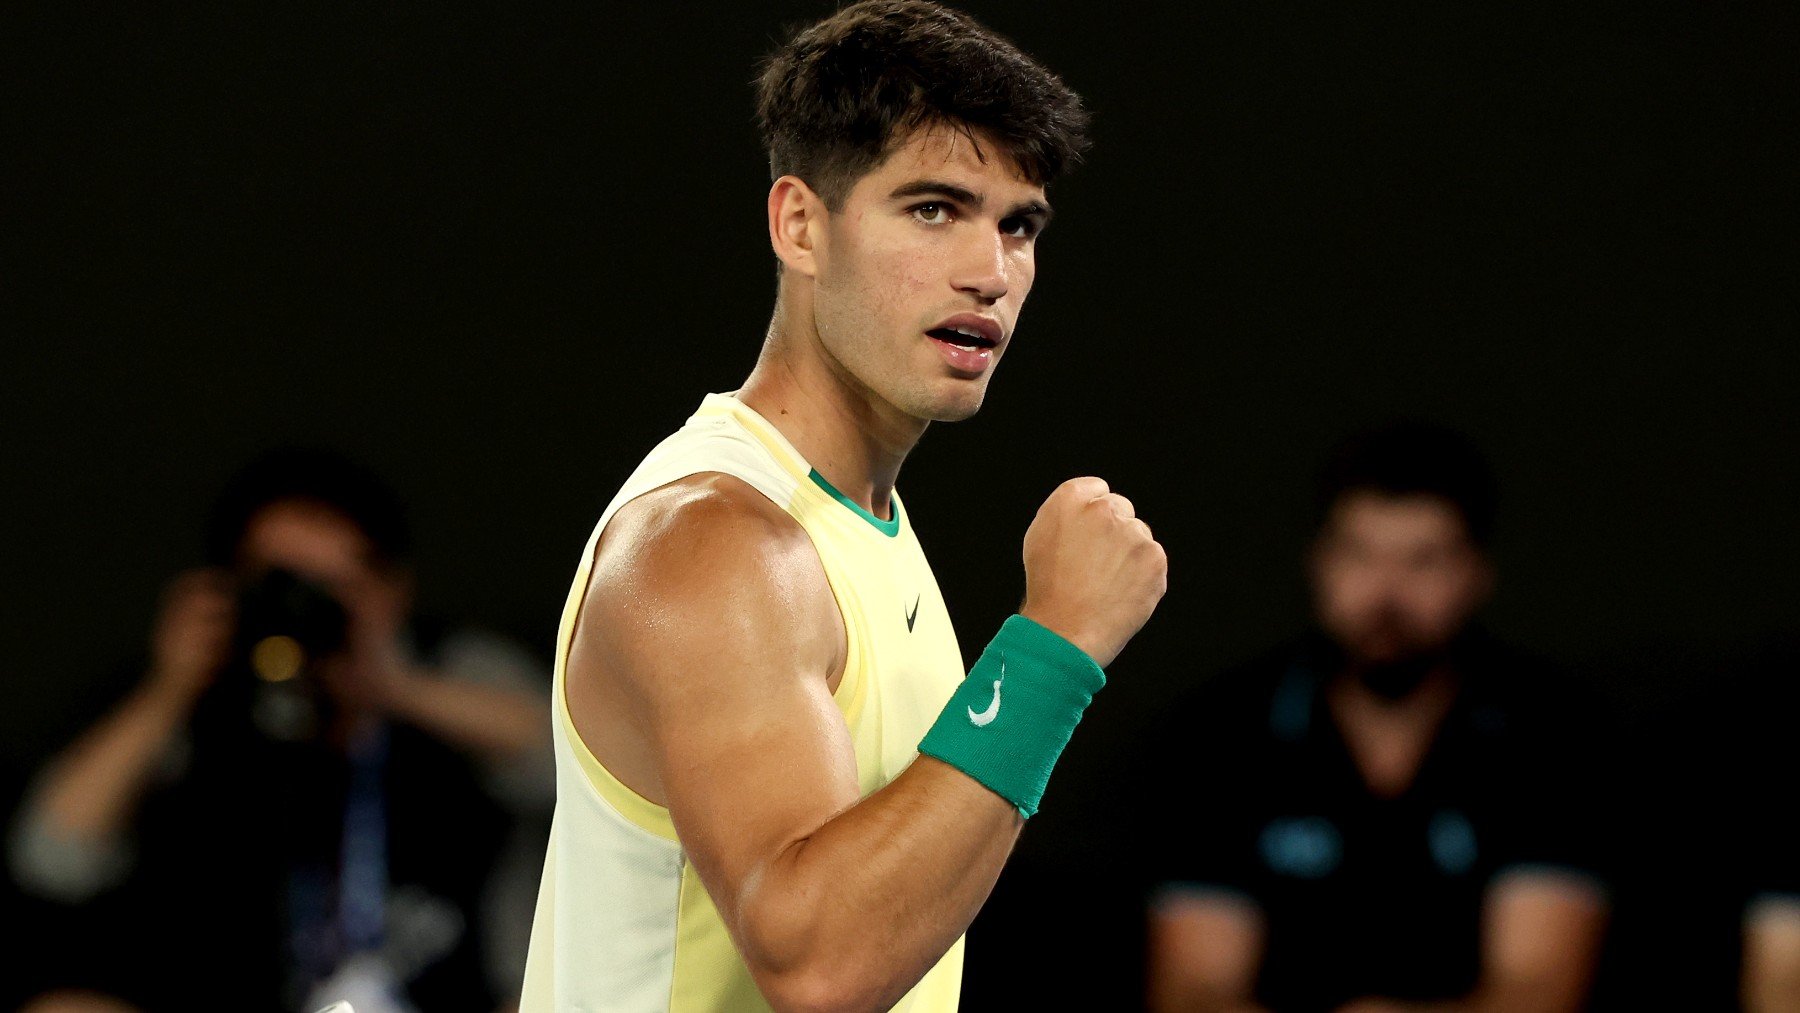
236,853
1364,895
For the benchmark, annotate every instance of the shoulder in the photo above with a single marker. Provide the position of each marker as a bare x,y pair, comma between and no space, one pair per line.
1535,696
712,519
710,556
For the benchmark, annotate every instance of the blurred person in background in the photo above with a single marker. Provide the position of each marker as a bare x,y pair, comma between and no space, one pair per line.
1767,769
1771,973
1393,814
307,794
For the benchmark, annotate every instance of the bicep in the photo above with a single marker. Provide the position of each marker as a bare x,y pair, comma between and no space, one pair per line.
752,752
716,624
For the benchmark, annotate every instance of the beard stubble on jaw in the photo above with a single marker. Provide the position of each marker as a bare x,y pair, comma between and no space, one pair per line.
1390,658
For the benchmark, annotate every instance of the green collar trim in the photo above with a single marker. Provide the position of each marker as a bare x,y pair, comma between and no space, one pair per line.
890,528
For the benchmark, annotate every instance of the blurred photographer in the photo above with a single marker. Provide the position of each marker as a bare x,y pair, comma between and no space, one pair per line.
307,792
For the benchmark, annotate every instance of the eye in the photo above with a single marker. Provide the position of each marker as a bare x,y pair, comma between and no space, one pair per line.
932,214
1020,227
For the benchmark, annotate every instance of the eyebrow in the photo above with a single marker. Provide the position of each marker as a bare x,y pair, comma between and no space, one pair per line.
963,195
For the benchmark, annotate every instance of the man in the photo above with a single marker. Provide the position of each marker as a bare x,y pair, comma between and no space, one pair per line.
1407,829
1757,778
291,818
764,799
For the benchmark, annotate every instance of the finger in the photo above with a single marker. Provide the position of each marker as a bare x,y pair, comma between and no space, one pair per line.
1086,487
203,606
1121,507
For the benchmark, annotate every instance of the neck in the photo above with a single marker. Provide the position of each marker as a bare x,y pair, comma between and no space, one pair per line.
851,435
1389,738
1424,704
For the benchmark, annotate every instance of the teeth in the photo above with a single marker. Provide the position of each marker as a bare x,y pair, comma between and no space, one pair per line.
971,339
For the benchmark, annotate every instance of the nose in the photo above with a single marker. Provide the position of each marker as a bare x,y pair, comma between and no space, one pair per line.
981,268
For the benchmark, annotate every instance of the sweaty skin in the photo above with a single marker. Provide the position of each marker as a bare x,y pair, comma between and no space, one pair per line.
709,643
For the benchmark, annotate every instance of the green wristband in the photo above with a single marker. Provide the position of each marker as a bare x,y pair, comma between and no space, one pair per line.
1009,720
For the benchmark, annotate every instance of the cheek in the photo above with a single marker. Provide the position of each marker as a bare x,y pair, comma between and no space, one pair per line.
1442,599
1024,272
888,282
1344,591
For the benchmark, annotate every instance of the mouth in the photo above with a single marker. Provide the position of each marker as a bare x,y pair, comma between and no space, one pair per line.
968,330
963,337
966,342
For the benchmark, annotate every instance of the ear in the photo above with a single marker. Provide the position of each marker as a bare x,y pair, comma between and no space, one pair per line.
796,224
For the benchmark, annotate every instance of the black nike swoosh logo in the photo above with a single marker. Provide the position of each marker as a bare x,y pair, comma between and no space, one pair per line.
910,616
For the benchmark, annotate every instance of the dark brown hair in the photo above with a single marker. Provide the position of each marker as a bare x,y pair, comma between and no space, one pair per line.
1414,458
308,475
835,100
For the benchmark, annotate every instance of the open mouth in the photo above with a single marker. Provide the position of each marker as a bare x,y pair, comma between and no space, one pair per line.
961,337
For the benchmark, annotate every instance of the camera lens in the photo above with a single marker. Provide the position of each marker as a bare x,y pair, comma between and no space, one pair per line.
287,623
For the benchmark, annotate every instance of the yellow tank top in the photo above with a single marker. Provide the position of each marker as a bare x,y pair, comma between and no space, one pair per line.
623,923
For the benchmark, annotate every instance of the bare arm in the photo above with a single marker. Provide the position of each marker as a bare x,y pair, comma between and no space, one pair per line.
499,723
711,626
69,839
478,702
1540,942
92,789
1205,949
1771,977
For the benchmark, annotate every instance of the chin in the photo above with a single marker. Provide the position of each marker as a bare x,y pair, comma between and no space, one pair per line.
958,400
940,404
954,409
956,413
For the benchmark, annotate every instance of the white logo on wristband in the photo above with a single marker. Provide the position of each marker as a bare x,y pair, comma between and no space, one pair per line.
987,717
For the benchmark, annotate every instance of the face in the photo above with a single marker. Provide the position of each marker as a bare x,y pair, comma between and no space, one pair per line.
325,548
1396,578
918,279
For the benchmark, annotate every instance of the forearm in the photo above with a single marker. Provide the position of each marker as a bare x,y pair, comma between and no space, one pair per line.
1764,995
1771,972
92,789
498,722
921,855
854,914
1205,949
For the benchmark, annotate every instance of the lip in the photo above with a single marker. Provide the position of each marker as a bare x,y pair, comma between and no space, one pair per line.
987,327
966,361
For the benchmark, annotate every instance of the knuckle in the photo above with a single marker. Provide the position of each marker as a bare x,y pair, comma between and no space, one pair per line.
1087,485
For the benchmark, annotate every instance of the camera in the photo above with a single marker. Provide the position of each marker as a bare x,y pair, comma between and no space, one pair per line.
286,625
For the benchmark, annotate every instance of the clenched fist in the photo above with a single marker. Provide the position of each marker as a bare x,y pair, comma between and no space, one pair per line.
1093,571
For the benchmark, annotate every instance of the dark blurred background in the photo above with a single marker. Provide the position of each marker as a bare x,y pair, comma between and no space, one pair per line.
496,254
